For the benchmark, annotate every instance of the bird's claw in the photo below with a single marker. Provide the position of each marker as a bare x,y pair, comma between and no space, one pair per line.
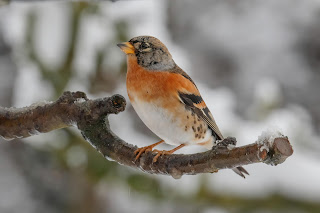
141,150
160,153
144,149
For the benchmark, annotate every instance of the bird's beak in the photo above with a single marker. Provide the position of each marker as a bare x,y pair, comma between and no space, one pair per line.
126,47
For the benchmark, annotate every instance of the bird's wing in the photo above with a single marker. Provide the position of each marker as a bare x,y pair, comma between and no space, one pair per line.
189,95
198,106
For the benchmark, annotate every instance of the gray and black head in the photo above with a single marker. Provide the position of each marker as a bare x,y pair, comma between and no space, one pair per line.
151,53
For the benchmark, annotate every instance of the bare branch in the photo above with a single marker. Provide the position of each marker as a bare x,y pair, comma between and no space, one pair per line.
43,117
90,118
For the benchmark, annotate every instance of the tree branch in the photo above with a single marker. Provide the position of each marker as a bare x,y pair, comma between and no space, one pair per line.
90,116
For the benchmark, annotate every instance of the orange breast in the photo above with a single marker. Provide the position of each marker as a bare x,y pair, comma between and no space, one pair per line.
160,87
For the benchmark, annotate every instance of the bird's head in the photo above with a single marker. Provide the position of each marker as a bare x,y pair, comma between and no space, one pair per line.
150,52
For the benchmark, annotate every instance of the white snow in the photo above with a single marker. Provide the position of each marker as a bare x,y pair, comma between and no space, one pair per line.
80,100
266,139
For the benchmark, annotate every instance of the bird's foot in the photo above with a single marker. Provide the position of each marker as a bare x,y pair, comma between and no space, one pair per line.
160,153
165,152
142,150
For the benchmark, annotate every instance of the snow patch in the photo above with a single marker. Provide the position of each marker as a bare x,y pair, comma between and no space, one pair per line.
267,137
40,103
80,100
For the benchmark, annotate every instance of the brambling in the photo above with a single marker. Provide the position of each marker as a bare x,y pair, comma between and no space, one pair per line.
167,99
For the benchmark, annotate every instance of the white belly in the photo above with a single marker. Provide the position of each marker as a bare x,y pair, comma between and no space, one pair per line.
165,125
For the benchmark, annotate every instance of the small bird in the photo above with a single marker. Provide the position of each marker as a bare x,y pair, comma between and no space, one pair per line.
167,99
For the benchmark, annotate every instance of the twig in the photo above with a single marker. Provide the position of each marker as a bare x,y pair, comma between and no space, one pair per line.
90,116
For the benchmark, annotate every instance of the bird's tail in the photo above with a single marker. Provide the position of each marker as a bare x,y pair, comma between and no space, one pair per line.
240,171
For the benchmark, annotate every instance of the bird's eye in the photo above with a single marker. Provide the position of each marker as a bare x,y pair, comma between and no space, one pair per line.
144,45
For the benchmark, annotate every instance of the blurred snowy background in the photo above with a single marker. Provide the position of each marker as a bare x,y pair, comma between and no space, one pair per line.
256,63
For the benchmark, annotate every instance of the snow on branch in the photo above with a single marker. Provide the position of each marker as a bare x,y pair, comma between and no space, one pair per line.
90,116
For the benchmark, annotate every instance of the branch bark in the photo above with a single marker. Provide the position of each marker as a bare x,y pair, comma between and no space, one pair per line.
90,116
